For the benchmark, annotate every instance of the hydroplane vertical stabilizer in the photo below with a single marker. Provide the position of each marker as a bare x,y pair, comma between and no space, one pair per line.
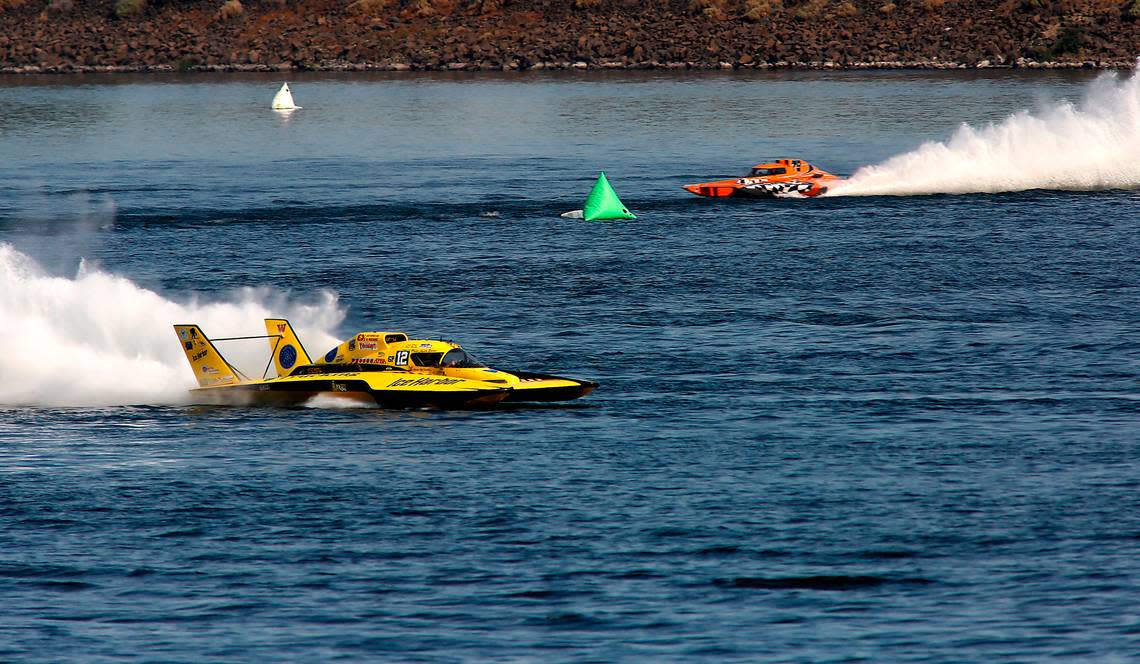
209,367
285,346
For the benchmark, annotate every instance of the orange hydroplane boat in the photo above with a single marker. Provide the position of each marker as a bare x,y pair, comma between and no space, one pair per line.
782,177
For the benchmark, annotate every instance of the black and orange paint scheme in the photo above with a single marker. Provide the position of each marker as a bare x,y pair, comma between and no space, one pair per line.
772,179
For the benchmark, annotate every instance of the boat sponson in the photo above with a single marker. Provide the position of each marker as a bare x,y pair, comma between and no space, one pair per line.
298,391
544,387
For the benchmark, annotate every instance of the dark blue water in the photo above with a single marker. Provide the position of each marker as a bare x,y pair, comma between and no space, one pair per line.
850,429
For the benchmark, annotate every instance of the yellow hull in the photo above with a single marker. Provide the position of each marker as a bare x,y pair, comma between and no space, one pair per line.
392,389
386,368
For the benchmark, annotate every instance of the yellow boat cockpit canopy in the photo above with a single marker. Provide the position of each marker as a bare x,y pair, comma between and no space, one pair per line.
394,349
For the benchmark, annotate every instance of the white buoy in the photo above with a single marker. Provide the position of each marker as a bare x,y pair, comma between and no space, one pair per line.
283,100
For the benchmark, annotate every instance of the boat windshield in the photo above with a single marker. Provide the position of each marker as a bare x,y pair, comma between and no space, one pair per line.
426,359
762,172
460,359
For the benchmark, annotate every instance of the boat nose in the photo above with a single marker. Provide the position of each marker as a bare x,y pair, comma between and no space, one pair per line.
693,188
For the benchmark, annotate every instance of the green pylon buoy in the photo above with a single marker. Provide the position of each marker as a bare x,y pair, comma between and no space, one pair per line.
603,202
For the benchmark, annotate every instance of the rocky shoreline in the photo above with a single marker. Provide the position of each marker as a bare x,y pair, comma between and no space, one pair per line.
62,36
551,66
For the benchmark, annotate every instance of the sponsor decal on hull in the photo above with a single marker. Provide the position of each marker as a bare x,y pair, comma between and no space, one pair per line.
781,187
416,382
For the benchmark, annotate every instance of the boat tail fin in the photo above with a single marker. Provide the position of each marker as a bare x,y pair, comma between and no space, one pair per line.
210,368
285,346
603,202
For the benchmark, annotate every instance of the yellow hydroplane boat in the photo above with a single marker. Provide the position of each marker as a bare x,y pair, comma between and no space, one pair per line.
387,368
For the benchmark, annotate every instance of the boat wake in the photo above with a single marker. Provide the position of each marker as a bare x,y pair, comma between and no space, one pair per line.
1091,145
101,340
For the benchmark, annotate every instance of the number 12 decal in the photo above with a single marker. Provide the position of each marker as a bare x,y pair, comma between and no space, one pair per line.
401,358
